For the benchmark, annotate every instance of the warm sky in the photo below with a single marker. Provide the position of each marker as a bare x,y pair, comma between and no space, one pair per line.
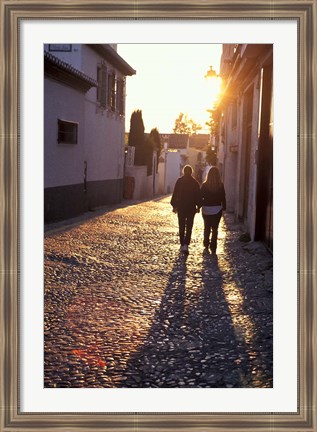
170,79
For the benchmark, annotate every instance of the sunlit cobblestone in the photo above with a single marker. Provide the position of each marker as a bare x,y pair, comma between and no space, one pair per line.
123,308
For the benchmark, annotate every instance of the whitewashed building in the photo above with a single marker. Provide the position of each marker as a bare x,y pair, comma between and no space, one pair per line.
245,152
84,110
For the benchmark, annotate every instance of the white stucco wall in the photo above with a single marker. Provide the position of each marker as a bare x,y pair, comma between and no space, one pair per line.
173,166
105,129
140,181
73,57
64,163
169,172
104,138
101,133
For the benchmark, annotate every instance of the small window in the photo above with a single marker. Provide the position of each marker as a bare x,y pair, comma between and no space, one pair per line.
67,132
102,85
120,96
112,91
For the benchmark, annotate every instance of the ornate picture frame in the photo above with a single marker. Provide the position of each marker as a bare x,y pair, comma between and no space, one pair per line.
12,12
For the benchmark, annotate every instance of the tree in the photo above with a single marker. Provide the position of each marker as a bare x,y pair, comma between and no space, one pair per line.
214,120
136,137
148,154
194,127
157,144
184,125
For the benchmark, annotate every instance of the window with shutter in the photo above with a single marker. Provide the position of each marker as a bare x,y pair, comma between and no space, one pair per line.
120,96
112,91
102,85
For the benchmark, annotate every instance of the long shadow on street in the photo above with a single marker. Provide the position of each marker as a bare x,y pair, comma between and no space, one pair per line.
192,341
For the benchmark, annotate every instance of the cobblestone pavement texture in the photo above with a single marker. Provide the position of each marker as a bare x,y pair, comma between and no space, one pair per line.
124,308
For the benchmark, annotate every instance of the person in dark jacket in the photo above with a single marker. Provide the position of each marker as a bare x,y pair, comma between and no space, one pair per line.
213,204
186,202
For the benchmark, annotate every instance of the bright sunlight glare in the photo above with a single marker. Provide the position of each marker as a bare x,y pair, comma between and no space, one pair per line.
170,79
214,88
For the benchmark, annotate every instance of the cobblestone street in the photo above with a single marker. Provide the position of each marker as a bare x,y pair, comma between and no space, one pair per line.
123,307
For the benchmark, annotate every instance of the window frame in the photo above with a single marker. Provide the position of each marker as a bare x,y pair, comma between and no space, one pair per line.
102,89
120,96
73,134
111,96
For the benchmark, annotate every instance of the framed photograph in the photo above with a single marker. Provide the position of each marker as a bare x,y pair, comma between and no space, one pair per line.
290,26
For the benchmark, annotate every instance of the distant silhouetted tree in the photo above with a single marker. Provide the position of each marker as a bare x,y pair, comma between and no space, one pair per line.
157,144
136,137
195,127
184,125
214,120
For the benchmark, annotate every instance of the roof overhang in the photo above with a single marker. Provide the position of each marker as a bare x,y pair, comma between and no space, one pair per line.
111,55
60,71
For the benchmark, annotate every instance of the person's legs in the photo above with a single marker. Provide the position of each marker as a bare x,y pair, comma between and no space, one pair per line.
181,226
207,228
189,226
215,219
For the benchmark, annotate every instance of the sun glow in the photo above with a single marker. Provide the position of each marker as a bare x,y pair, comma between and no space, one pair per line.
170,79
215,89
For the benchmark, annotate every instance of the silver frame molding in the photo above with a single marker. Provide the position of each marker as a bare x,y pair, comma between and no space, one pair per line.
11,13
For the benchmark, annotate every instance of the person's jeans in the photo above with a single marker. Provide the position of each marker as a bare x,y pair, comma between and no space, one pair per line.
211,223
185,224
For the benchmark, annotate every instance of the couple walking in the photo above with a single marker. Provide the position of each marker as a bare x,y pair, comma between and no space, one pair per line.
188,198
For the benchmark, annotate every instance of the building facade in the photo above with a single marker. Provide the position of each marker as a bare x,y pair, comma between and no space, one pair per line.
84,132
245,149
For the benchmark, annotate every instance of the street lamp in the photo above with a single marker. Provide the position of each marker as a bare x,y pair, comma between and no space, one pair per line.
211,73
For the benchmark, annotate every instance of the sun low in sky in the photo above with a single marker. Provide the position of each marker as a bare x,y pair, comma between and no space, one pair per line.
170,79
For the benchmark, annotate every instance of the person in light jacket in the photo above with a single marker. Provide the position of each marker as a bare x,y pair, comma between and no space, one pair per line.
213,204
186,202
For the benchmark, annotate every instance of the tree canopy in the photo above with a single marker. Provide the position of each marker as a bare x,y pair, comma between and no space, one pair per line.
144,146
157,143
137,137
214,120
184,125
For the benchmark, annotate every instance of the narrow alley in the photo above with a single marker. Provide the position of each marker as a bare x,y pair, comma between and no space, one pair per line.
123,307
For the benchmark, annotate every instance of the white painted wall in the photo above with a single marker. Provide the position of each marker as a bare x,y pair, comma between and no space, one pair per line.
101,133
145,186
64,163
140,181
161,172
73,57
173,170
105,129
104,138
169,171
